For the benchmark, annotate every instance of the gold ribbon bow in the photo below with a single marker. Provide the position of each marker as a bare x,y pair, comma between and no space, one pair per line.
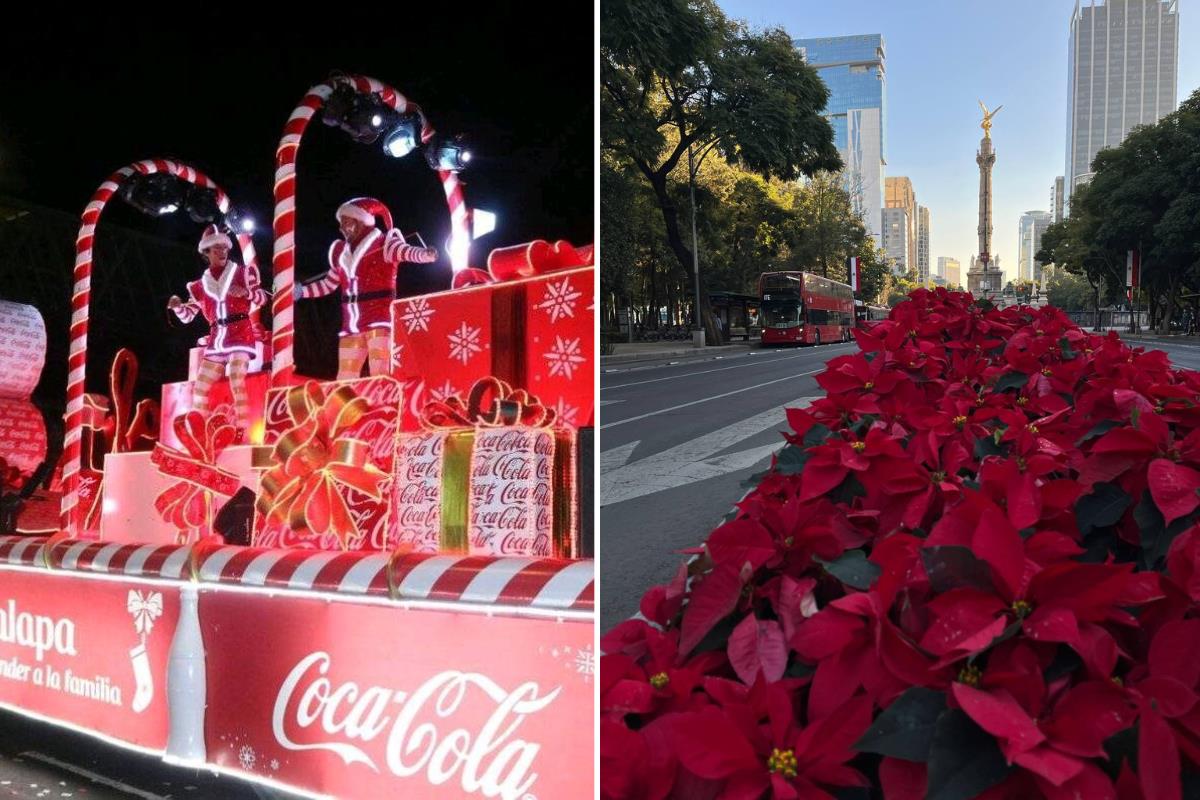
315,458
492,403
187,503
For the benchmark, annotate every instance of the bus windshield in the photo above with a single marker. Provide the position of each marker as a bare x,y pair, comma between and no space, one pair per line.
781,315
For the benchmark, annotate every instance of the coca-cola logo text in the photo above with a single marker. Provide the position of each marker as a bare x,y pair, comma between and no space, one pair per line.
489,761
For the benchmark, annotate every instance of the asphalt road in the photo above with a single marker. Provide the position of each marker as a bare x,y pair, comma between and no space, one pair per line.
40,761
676,442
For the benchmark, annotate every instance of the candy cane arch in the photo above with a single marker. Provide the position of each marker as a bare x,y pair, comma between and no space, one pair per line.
72,509
283,258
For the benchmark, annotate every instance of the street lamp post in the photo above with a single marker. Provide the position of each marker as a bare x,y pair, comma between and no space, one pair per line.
698,333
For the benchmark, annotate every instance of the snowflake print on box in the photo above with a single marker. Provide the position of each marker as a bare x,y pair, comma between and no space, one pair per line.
566,414
564,357
247,757
536,334
415,315
559,300
464,343
580,661
443,392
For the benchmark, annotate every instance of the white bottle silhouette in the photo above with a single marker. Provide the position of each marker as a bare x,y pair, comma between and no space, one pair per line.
186,690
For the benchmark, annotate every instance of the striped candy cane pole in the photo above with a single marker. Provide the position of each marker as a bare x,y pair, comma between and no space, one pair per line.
284,254
73,510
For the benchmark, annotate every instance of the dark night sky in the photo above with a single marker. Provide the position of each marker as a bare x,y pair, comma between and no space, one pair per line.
81,97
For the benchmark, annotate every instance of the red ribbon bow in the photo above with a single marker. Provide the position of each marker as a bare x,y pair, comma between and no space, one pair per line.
525,261
492,403
187,504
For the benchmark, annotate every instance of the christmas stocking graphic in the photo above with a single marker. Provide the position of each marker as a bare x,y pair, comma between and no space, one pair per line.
144,691
144,608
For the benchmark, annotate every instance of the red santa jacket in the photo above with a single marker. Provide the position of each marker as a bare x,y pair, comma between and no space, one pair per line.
231,330
366,276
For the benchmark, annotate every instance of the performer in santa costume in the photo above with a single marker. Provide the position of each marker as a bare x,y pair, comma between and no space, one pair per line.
363,266
226,295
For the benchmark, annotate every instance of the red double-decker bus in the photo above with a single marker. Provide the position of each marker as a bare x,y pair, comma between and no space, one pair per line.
802,308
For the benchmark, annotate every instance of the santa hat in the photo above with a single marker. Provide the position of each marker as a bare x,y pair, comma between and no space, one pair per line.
214,235
365,210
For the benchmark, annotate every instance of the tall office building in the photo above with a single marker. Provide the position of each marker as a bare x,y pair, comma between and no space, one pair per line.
896,239
853,69
1056,199
1033,224
950,269
898,193
1122,71
923,244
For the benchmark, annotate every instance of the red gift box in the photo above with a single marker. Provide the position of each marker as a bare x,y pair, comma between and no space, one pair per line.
177,401
371,517
533,333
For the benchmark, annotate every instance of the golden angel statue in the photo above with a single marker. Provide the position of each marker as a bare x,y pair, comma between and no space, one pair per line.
986,124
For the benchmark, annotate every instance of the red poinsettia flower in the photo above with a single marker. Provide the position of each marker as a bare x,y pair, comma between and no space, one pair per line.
835,411
877,375
662,681
830,463
784,535
637,764
1054,745
854,644
914,492
954,417
1055,603
759,750
1183,561
1166,692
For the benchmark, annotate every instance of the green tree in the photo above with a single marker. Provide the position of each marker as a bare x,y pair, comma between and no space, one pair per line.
1145,196
679,77
1068,291
826,230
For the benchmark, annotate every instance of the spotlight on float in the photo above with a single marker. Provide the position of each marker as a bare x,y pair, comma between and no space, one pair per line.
368,119
450,155
403,137
482,222
201,205
363,116
156,194
239,221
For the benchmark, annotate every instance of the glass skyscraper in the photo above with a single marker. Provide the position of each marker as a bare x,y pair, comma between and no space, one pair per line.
1122,71
853,69
1033,224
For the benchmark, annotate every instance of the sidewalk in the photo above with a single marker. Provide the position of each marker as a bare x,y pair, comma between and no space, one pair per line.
633,352
1151,336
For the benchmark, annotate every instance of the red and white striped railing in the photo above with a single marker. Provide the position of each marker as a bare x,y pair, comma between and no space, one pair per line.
541,583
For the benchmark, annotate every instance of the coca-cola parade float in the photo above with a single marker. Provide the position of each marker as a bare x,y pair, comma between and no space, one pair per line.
364,587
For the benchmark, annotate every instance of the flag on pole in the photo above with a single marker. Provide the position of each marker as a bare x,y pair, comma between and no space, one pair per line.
1133,269
854,273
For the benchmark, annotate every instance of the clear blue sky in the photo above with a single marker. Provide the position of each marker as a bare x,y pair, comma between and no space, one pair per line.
941,56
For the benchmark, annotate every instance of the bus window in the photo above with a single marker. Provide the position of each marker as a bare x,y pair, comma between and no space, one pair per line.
780,314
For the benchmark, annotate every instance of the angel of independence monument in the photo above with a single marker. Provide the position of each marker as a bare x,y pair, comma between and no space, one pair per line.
985,278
